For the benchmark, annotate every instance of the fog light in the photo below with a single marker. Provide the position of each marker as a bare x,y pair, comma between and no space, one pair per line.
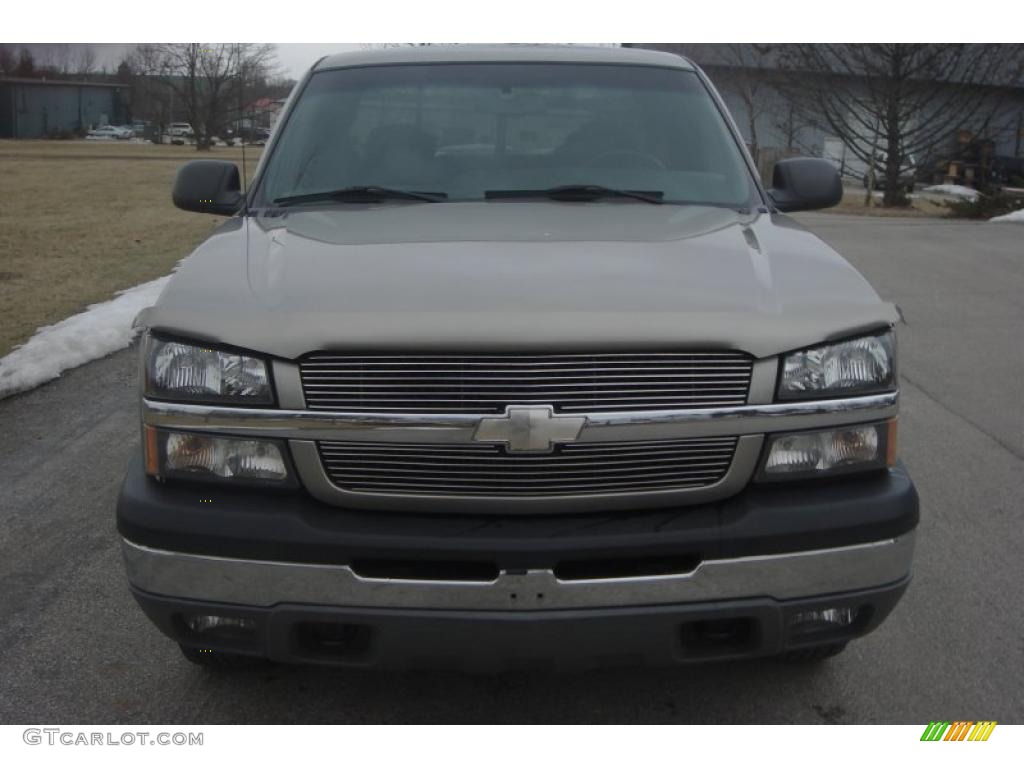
808,622
826,452
210,457
204,624
225,457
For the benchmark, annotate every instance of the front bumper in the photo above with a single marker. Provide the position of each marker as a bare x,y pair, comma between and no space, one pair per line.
491,641
269,583
302,573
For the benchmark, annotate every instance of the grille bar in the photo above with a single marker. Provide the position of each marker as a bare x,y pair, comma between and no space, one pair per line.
471,470
488,383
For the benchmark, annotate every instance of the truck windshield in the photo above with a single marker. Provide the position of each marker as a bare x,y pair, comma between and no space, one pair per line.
475,131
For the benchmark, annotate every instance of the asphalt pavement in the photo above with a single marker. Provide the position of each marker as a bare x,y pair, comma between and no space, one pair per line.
74,647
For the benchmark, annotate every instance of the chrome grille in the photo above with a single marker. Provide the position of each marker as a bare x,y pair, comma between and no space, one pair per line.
576,468
487,383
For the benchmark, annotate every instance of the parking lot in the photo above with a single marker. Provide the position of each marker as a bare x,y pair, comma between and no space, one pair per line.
75,648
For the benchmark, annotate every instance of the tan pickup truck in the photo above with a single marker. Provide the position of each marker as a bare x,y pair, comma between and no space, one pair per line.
506,358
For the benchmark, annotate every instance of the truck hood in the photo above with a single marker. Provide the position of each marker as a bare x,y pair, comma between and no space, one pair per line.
515,276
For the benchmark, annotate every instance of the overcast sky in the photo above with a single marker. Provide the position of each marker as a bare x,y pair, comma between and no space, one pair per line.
296,58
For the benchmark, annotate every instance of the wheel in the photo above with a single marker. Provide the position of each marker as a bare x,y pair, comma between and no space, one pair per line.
813,654
219,659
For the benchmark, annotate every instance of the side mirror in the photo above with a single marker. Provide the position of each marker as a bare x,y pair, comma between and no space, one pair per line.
208,186
805,184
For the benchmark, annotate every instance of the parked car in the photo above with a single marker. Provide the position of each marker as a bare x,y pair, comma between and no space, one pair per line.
180,133
595,401
110,132
253,135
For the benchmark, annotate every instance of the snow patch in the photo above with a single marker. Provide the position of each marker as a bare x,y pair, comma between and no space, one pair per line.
952,190
1013,216
99,330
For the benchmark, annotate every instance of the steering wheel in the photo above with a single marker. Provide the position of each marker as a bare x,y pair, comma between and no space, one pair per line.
646,160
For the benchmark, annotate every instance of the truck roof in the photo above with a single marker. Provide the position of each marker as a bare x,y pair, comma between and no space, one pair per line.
568,54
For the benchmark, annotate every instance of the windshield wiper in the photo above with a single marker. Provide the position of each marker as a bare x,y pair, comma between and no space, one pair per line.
576,193
362,194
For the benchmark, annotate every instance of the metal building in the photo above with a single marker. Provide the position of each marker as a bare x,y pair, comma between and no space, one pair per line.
36,109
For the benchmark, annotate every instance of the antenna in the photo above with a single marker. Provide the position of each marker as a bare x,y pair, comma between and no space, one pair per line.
241,134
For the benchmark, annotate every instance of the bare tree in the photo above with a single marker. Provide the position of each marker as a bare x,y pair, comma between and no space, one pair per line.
54,59
26,66
204,79
790,125
8,60
85,61
912,96
744,79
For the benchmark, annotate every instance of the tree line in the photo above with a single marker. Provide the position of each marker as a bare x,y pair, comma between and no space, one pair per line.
51,61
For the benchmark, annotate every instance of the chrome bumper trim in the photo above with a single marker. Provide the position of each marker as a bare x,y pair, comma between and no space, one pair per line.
460,428
265,583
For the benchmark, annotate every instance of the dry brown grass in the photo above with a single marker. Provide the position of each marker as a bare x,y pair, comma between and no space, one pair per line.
81,220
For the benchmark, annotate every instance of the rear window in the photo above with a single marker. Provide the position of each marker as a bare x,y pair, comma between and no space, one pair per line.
466,129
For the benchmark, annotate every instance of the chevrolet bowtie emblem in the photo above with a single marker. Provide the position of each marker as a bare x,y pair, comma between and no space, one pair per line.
529,429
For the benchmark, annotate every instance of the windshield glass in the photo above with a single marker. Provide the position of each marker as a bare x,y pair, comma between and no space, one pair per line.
464,130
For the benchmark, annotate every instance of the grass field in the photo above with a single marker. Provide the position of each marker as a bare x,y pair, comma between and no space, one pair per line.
81,220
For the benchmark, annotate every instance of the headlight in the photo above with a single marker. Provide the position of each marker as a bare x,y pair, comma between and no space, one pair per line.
855,367
199,456
856,448
177,371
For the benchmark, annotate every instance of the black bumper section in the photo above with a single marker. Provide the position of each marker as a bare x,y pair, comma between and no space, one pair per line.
491,641
293,527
